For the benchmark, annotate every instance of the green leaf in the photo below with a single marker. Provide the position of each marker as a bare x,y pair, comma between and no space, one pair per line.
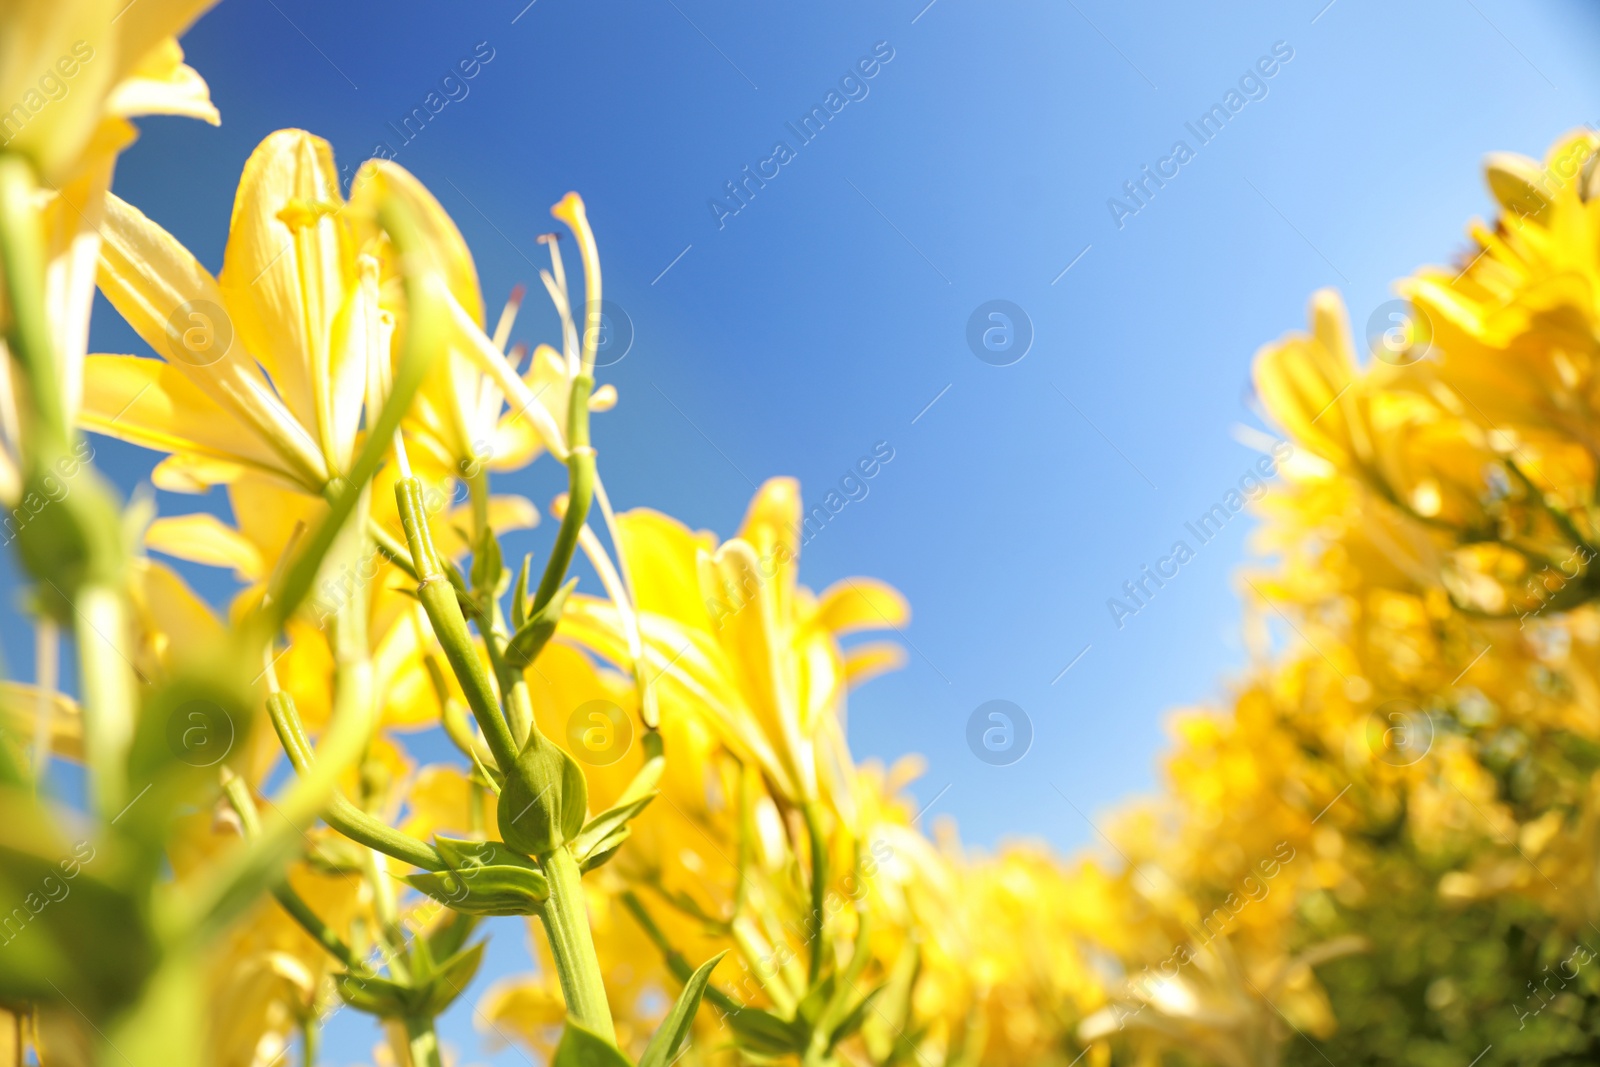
544,800
854,1018
448,937
73,923
389,999
815,1002
608,822
451,979
765,1034
674,1029
485,890
531,637
604,849
585,1048
605,833
646,780
467,856
486,564
373,995
519,594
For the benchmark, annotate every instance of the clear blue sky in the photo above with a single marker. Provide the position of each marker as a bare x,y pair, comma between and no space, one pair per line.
828,312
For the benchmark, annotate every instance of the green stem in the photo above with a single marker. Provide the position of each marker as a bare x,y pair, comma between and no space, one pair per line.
566,922
109,701
518,703
387,544
22,261
438,598
341,814
819,885
580,490
223,895
309,1034
239,797
423,1041
79,553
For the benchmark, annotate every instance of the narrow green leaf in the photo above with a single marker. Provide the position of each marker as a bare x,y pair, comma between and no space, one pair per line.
674,1029
605,824
486,564
531,637
375,996
765,1034
603,850
451,979
448,937
645,781
854,1018
519,594
585,1048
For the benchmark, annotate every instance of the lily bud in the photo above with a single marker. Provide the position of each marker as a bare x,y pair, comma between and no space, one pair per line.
545,798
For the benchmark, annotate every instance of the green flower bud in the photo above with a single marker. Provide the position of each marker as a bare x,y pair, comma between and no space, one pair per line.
545,798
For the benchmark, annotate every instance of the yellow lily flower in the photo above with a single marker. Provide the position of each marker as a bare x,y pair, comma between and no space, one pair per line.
74,68
265,368
733,638
459,422
71,76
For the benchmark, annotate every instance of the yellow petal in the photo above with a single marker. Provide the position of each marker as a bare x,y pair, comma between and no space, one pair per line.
72,222
19,711
856,604
169,613
51,115
286,268
147,402
204,538
360,344
1307,383
865,662
772,528
268,515
163,84
190,473
446,250
659,554
179,309
142,25
516,444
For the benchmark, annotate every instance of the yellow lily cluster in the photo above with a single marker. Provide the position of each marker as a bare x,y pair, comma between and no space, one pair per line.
698,694
1386,835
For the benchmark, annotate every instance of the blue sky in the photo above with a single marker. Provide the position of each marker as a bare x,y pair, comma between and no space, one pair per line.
831,312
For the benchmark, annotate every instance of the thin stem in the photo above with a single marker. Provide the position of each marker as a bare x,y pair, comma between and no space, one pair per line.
438,598
22,264
580,490
387,911
47,666
224,894
566,921
108,705
93,566
819,885
309,1033
342,815
244,805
